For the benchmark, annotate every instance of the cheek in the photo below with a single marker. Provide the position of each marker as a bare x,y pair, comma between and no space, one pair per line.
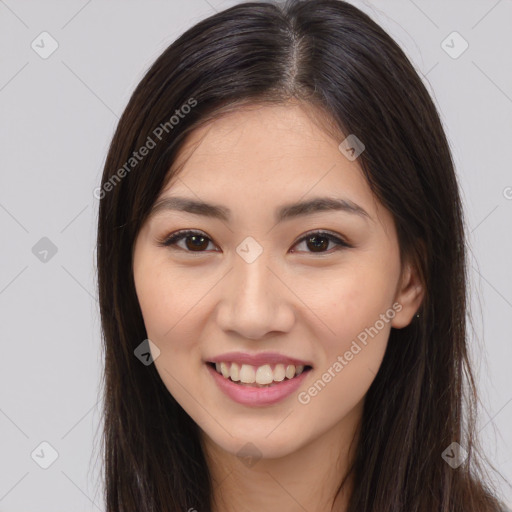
170,303
358,315
168,298
350,300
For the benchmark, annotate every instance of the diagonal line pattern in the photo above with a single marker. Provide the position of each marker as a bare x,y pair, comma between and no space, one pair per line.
76,424
14,76
90,90
79,283
13,13
206,1
13,279
492,81
424,14
76,14
497,291
425,74
14,423
74,218
91,500
282,421
485,15
494,416
492,211
14,485
14,218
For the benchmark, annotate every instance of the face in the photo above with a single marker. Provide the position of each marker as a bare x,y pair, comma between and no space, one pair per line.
266,290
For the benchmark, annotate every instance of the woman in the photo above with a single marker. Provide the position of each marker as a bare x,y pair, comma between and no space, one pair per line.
282,277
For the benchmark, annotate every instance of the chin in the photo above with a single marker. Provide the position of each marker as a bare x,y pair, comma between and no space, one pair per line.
256,445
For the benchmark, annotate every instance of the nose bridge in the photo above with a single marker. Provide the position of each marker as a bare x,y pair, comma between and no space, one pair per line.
253,302
253,277
252,283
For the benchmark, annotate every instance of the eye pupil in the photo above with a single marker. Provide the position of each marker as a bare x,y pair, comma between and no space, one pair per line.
317,242
323,244
196,238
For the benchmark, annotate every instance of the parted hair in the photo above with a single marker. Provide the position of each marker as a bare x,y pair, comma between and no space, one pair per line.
331,55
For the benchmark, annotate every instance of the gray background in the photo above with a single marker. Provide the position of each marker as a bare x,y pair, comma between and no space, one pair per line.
57,116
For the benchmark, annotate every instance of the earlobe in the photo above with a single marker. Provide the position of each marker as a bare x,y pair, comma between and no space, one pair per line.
410,296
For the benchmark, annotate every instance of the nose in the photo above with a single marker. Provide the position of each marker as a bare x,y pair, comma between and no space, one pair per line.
255,300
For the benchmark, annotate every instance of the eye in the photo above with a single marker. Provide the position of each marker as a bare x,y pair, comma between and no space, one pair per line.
196,241
320,240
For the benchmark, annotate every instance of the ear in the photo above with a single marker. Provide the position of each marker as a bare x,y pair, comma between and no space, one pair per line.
409,295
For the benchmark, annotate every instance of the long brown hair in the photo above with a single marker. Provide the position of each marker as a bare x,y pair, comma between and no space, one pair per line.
329,54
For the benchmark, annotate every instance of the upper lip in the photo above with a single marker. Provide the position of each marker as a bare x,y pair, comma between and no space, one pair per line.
259,359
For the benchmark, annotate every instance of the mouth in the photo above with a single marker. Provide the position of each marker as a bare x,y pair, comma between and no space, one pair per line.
264,376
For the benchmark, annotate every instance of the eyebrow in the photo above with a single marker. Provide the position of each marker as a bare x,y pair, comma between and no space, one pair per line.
285,212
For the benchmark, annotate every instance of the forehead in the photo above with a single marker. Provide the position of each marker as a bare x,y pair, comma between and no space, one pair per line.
264,150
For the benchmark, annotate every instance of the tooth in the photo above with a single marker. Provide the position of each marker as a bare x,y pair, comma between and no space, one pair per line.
264,374
299,369
290,371
247,374
224,369
279,372
234,373
217,367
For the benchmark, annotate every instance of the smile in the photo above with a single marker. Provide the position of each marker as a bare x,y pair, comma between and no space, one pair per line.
265,375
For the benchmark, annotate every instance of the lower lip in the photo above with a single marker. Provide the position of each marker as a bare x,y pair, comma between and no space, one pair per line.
257,397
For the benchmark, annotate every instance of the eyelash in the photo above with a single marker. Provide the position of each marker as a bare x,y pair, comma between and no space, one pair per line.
180,235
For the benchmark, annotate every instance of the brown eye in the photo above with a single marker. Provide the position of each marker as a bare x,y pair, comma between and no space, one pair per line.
195,241
319,241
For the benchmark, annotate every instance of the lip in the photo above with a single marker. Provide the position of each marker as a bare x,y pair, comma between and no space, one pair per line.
257,359
253,396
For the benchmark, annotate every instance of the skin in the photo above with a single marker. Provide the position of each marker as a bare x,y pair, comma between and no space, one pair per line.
291,299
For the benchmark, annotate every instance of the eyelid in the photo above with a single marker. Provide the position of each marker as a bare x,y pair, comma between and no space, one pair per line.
170,240
339,240
325,232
